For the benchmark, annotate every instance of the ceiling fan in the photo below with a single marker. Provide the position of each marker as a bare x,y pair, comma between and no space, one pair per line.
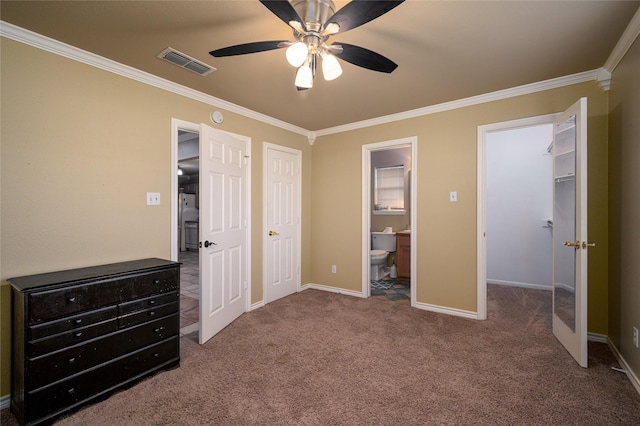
313,22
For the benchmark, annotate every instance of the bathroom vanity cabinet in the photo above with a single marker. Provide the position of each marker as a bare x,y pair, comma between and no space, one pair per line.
79,335
404,255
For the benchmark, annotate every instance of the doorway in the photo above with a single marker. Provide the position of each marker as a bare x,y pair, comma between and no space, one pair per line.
389,214
515,206
185,184
223,246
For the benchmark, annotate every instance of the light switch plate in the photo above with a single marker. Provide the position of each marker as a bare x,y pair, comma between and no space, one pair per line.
153,198
453,196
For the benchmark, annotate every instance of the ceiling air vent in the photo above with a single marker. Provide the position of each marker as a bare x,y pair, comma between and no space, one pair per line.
185,61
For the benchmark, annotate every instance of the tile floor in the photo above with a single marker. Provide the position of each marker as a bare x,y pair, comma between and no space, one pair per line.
393,290
189,291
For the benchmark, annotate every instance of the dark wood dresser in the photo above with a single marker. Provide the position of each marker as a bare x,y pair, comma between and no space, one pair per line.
79,335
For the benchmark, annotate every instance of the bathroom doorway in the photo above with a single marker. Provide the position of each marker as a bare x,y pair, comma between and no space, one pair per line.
388,213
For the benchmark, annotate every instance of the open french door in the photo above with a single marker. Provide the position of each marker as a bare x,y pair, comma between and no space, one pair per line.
570,243
223,230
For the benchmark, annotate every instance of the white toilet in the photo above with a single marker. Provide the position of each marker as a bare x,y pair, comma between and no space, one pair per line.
382,243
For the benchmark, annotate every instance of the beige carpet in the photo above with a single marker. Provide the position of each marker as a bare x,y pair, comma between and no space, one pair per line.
317,358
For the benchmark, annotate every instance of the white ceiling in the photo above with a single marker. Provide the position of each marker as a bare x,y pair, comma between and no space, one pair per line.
446,50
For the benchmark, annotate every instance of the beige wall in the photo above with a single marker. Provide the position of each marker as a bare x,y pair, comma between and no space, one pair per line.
80,149
446,232
624,210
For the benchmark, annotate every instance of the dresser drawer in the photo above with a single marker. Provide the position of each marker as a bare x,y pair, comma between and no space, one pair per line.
47,305
71,323
51,304
58,365
145,315
43,346
91,384
147,302
155,282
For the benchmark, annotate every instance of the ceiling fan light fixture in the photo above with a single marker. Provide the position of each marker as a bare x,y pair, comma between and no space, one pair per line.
297,54
331,68
330,29
304,77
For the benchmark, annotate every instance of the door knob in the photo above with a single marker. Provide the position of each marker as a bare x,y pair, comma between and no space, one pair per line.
207,244
586,244
272,233
575,244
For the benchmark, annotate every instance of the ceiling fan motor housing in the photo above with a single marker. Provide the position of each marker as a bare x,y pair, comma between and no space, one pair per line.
314,13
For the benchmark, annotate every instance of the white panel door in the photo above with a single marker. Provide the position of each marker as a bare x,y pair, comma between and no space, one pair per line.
223,224
570,246
282,222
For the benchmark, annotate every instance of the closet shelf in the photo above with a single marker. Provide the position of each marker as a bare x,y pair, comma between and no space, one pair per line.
564,178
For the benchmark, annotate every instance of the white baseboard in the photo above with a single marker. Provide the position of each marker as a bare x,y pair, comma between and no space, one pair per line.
331,289
596,337
256,305
445,310
423,306
519,284
5,402
630,374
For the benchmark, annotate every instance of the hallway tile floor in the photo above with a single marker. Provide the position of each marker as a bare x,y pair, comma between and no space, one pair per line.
189,291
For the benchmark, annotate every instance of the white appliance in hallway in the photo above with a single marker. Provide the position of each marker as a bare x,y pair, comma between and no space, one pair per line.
188,218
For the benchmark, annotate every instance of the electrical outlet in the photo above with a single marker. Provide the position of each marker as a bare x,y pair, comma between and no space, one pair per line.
334,269
453,196
635,337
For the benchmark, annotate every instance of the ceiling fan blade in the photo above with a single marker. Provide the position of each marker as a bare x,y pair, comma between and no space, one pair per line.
255,47
362,57
283,10
359,12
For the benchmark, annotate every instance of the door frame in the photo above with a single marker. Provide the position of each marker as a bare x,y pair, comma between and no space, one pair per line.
482,198
176,126
367,149
298,154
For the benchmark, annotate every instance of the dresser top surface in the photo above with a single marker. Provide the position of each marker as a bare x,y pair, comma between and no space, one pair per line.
88,273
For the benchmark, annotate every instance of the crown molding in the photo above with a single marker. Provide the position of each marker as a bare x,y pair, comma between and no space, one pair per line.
54,46
39,41
604,79
526,89
624,43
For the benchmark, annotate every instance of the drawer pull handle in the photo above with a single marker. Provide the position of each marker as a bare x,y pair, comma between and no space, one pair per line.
156,282
156,355
158,329
71,299
71,391
78,334
78,321
152,302
72,360
152,313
